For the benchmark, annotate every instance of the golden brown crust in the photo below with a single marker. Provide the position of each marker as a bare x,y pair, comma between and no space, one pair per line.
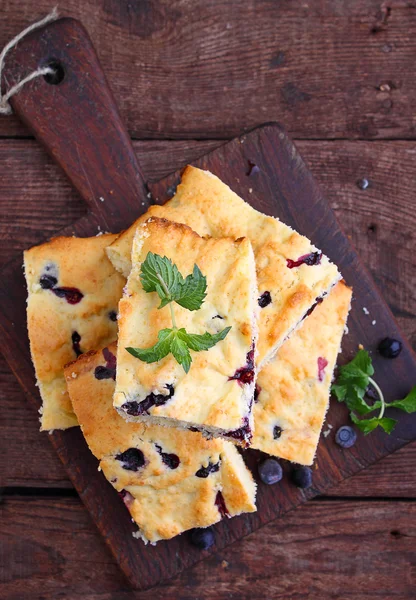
80,264
211,208
207,395
164,501
291,394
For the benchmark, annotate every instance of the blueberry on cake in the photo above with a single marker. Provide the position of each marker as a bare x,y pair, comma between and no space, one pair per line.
292,391
292,274
213,393
73,295
170,480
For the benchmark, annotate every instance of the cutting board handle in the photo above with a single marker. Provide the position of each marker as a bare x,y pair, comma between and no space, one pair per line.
74,115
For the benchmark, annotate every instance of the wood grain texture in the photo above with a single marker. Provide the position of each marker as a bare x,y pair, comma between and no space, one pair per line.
283,187
217,68
381,221
327,549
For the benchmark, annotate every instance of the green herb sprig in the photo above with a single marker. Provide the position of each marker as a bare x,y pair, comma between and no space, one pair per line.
158,274
351,386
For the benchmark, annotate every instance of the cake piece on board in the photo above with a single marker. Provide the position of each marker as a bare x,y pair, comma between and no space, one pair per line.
215,396
170,480
292,274
73,295
292,394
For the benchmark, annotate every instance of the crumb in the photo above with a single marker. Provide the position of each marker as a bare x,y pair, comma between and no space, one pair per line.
250,190
366,311
102,199
224,564
330,426
149,194
136,534
73,375
346,330
360,347
99,468
373,322
326,433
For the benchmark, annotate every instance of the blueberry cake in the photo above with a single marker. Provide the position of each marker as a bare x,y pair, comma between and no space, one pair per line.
216,395
292,274
73,295
170,480
292,391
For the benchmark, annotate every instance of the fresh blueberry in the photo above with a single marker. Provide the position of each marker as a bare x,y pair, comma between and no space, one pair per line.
302,477
203,538
270,471
132,459
390,348
363,184
346,436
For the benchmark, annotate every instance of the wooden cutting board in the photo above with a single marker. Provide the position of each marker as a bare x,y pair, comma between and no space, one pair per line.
78,122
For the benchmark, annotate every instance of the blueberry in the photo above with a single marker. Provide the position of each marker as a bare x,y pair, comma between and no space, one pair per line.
170,460
132,459
277,432
346,437
390,348
264,300
270,471
302,477
47,282
203,538
112,315
203,472
363,184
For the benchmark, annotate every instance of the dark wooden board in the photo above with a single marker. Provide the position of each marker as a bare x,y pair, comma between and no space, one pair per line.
283,187
327,549
213,69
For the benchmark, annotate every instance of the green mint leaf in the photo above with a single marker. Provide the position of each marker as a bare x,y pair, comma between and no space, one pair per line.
368,425
181,352
202,342
159,274
408,404
158,351
352,383
192,291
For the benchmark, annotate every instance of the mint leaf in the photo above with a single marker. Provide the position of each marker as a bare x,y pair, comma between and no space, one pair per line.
158,351
408,404
159,274
352,382
202,342
192,291
368,425
181,352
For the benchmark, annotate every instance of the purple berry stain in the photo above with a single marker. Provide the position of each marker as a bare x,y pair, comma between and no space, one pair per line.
257,392
71,295
220,504
312,308
135,408
314,258
132,459
76,339
264,300
203,472
170,460
242,434
322,364
109,370
245,375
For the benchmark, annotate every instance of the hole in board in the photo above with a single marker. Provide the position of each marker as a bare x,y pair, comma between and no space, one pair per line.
58,74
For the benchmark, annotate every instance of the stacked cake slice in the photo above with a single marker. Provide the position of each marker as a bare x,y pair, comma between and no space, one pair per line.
227,331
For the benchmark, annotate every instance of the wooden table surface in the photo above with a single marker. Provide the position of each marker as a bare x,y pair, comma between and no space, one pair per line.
339,74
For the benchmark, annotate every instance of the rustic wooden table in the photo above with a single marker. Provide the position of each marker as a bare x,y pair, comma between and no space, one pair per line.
188,75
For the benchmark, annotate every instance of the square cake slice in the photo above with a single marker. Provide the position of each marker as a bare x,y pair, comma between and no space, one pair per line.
73,295
215,396
292,393
170,480
292,274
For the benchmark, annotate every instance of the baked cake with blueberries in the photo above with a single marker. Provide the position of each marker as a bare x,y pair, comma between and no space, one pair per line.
292,274
216,395
73,295
292,391
170,480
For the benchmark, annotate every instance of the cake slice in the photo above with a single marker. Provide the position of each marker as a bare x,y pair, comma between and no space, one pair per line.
292,274
215,396
170,480
73,295
292,393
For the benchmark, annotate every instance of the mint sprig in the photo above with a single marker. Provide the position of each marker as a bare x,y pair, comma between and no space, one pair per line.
351,386
158,274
